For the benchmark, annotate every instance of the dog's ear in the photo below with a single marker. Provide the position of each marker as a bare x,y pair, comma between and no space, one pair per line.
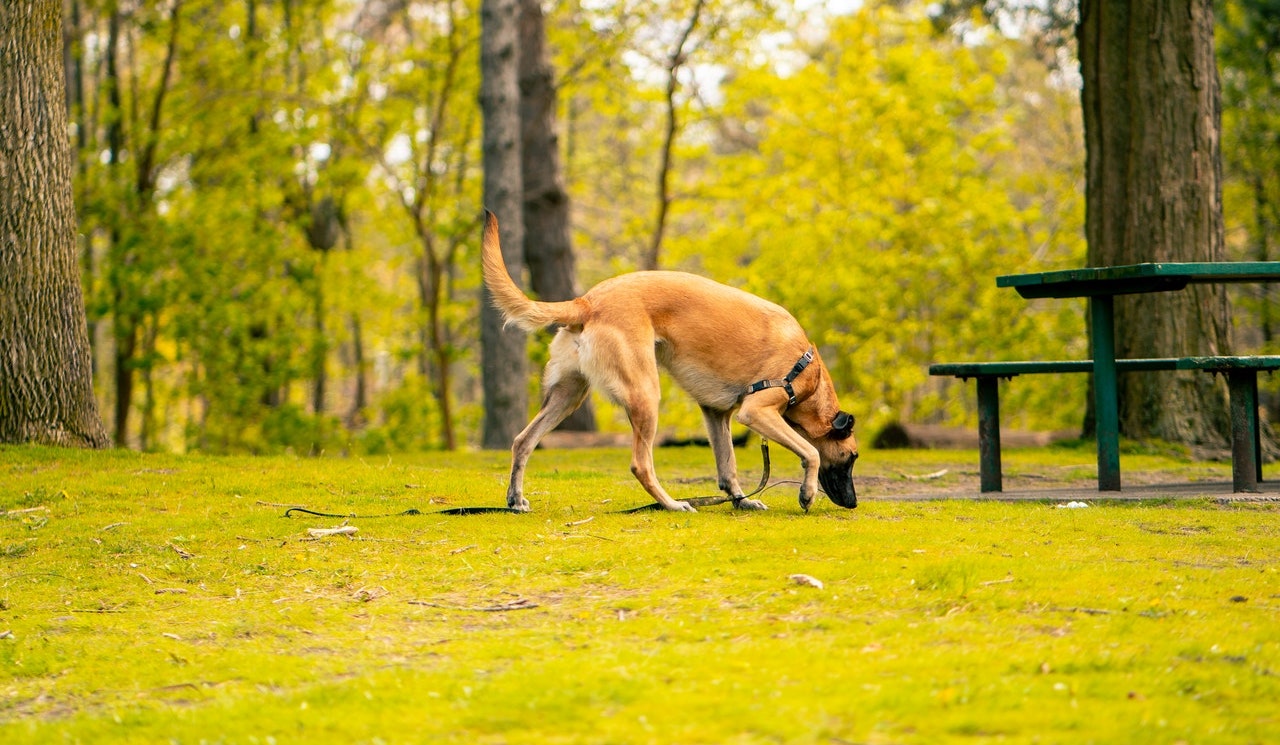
842,426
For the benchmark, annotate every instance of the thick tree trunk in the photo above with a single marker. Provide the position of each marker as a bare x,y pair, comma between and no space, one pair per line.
504,366
547,246
46,392
1153,193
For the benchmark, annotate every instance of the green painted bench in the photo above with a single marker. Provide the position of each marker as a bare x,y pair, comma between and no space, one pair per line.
1242,381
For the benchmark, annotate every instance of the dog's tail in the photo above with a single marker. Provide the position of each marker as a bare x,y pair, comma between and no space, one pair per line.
517,308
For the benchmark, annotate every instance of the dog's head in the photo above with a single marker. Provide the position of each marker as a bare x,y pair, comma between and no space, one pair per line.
838,449
819,419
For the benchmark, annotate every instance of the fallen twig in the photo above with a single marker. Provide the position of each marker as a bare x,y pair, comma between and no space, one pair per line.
517,604
580,522
996,581
326,532
926,476
182,551
105,528
463,549
586,535
25,510
1086,611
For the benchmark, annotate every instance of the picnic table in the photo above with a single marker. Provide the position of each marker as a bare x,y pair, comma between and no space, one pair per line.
1101,285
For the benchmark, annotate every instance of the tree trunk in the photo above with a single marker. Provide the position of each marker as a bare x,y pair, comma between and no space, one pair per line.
547,246
1153,193
677,60
46,391
503,349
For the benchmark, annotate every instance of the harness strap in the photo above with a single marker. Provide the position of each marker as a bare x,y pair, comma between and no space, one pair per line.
784,383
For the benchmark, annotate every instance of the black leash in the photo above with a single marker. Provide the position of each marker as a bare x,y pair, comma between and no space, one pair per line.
412,511
407,513
718,498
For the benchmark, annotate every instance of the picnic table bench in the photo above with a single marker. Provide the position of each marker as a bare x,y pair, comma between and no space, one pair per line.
1242,382
1100,285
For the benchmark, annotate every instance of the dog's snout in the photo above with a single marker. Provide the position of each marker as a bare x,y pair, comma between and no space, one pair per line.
837,482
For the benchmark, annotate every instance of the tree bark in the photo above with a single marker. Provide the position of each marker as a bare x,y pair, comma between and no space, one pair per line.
46,391
548,249
1153,193
504,365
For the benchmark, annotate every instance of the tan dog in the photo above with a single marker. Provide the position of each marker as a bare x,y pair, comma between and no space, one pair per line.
724,346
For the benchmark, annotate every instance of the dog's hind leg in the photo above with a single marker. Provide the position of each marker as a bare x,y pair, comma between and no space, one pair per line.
642,410
565,390
726,462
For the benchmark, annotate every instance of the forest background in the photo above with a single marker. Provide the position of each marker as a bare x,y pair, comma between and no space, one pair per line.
280,202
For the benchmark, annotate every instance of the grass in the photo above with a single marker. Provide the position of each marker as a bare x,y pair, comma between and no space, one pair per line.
154,598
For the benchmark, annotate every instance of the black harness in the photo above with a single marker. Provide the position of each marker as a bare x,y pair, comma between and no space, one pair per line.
841,426
784,383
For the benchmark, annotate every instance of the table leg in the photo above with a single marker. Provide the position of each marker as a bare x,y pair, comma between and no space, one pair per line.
989,434
1243,385
1257,427
1105,397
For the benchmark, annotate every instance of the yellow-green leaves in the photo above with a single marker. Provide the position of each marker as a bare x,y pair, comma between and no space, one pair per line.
881,187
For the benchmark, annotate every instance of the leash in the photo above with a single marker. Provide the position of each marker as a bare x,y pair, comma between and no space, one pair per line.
407,513
718,498
413,511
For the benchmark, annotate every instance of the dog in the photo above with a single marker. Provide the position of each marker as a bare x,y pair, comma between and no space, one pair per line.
722,345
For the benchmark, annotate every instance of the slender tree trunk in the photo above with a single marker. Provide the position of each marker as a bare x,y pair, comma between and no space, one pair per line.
360,399
73,66
320,352
1153,193
46,391
679,56
506,398
149,427
124,323
547,245
132,213
1263,231
435,360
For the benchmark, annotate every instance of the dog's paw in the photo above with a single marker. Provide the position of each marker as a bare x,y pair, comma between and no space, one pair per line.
806,499
679,506
519,504
749,504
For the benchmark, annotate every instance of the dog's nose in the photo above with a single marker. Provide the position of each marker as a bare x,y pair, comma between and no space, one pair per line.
838,484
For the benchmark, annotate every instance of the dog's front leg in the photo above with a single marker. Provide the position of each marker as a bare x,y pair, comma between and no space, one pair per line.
762,413
721,440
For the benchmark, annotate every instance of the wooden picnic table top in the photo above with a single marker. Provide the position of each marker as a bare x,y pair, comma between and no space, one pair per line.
1137,278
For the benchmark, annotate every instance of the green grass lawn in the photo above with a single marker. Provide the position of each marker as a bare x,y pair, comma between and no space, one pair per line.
157,598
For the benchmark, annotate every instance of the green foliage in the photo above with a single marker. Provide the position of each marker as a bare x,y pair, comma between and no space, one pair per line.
878,189
158,598
402,421
1248,49
872,173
